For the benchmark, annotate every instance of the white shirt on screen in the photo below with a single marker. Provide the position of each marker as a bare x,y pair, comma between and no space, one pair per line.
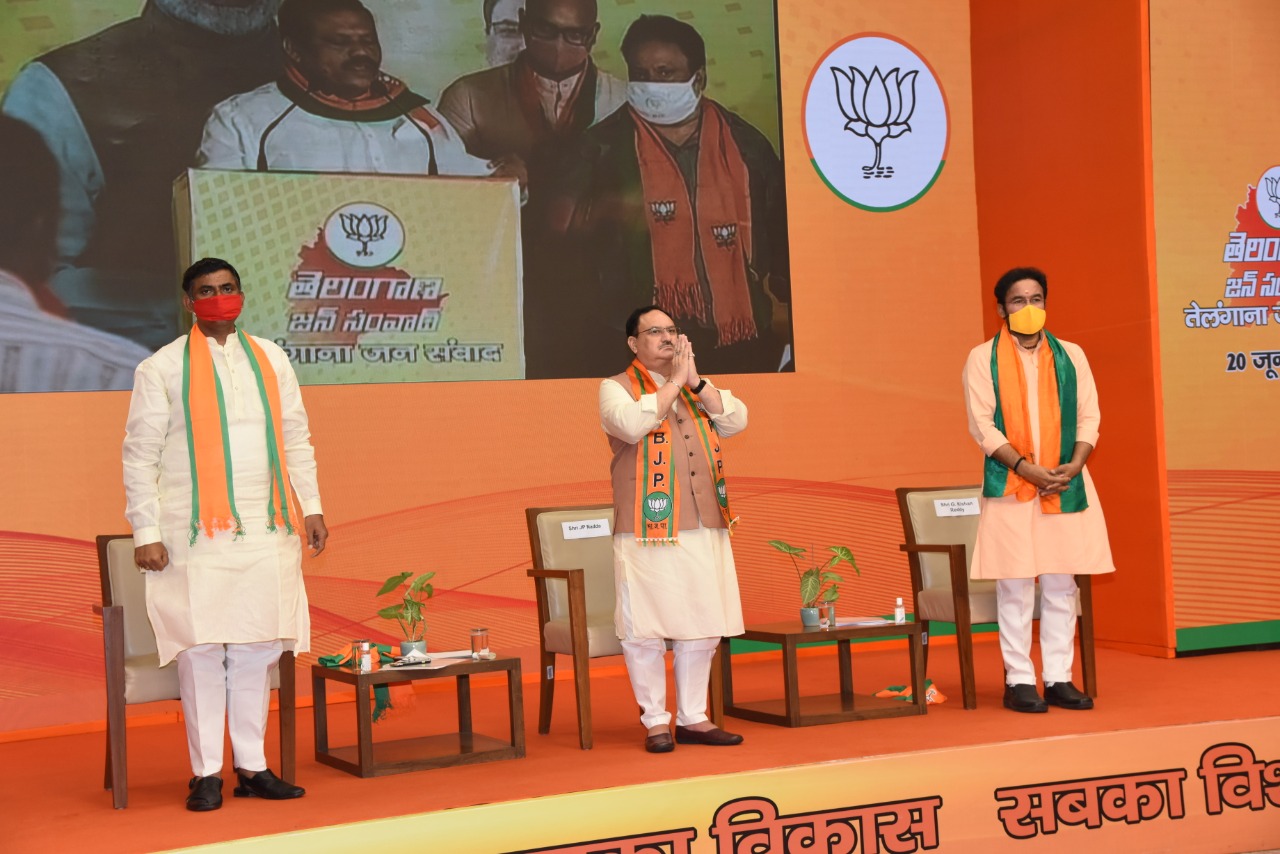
265,122
41,352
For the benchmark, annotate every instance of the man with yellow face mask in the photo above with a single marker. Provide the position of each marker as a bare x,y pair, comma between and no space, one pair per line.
1033,409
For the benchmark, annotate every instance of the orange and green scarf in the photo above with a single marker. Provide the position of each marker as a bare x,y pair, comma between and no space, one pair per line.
213,498
1056,396
658,507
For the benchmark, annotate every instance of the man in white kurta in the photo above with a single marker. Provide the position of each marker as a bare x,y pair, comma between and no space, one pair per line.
333,110
686,591
1017,542
225,606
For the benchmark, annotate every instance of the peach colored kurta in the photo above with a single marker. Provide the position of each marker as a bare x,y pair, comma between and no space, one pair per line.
1015,538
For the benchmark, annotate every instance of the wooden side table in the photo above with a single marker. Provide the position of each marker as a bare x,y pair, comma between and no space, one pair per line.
794,711
415,754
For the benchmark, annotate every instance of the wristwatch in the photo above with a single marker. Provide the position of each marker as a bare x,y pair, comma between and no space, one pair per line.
698,388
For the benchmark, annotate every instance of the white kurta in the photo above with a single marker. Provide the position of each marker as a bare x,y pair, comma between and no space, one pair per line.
685,590
1016,539
304,142
220,590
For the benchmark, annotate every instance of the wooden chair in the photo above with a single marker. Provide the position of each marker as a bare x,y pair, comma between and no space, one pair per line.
573,583
939,547
133,667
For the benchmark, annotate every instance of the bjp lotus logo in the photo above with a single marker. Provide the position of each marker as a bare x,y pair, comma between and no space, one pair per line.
664,211
725,235
1273,192
863,92
364,229
878,107
364,235
657,506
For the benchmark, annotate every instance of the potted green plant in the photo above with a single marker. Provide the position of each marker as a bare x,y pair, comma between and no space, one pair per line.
818,584
408,612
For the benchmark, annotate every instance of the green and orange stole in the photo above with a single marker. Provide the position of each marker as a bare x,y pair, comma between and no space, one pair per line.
719,225
1056,395
213,497
658,502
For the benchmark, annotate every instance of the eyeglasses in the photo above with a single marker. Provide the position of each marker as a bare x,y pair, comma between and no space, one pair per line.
656,331
509,29
578,37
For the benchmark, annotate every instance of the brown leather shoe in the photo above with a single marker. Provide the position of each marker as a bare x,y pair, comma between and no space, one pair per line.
716,737
660,743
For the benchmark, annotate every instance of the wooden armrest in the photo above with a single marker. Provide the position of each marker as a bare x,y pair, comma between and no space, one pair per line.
553,573
941,548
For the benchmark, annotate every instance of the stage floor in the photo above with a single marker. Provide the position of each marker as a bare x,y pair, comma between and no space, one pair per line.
53,798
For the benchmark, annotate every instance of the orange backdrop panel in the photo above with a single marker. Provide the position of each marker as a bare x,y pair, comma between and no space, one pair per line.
434,476
1061,106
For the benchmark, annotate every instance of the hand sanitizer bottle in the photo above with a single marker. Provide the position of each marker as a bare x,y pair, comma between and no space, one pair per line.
899,613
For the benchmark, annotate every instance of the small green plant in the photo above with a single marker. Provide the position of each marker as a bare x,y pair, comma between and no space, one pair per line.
818,583
409,611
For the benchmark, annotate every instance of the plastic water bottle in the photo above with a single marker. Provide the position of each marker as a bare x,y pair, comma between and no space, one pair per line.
899,613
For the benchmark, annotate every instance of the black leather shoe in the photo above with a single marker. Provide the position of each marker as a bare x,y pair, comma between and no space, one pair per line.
716,737
266,785
1023,698
206,794
660,743
1064,694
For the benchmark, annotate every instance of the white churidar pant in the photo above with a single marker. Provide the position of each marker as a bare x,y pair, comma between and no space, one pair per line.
646,666
1015,603
232,682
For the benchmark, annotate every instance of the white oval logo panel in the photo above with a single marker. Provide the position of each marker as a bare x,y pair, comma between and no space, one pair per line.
1269,197
364,235
875,122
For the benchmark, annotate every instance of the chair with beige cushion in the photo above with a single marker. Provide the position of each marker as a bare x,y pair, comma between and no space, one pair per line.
939,547
573,582
132,663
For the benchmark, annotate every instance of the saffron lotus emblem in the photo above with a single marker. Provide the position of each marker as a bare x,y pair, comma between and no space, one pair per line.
1273,191
878,107
874,109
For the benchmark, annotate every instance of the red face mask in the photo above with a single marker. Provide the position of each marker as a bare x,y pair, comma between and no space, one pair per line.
219,308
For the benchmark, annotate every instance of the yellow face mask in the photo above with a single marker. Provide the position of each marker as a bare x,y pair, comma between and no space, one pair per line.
1027,321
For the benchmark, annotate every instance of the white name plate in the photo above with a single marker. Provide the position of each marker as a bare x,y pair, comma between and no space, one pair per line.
586,529
956,506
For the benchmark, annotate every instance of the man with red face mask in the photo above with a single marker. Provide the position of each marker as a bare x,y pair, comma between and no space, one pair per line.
220,478
334,110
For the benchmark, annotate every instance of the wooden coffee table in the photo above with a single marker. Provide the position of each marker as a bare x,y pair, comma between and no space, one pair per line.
367,759
792,710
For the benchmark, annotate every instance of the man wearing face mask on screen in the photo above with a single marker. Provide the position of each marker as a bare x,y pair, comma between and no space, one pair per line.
1033,409
533,108
677,201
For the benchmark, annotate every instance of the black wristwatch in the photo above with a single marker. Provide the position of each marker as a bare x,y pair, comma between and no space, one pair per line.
698,388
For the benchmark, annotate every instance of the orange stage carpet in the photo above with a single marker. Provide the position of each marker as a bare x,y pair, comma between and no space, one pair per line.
53,799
